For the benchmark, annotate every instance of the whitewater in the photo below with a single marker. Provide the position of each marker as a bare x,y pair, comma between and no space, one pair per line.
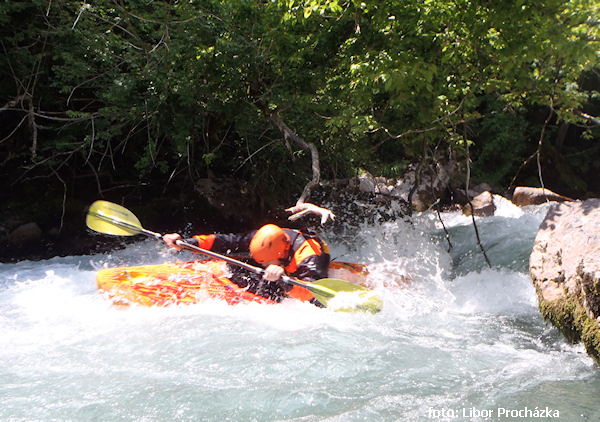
461,342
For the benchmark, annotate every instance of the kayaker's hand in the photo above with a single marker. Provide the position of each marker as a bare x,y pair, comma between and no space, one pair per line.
300,210
171,239
273,272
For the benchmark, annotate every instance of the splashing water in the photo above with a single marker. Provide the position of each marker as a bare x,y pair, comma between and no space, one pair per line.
456,340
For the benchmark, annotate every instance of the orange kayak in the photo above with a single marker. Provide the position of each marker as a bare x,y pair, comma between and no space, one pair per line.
183,283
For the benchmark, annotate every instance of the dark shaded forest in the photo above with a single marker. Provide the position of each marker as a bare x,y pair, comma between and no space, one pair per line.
157,105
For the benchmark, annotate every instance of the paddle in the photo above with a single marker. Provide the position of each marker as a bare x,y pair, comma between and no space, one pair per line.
106,217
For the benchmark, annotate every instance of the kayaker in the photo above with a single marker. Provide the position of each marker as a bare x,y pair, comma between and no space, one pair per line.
280,251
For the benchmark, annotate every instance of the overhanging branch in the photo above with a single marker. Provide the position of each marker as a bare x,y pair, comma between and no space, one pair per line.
290,135
592,119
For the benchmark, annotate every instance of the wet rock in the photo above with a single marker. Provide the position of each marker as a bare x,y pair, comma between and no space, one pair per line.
367,183
230,198
535,196
353,206
427,184
565,270
483,205
460,195
432,184
26,235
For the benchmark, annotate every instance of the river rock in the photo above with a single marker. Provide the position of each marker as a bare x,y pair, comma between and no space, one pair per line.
431,186
460,196
25,235
565,270
427,183
483,205
523,196
367,183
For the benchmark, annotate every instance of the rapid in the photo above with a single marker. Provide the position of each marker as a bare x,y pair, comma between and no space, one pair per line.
461,342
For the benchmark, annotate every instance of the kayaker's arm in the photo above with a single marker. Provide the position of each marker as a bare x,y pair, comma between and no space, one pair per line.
222,243
232,243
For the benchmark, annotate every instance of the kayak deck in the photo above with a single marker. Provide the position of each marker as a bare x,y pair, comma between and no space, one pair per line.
184,283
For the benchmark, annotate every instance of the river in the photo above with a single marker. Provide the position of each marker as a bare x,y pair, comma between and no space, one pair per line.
463,342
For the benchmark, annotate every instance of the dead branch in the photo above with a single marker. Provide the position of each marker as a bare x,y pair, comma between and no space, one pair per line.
30,114
434,126
24,104
437,204
541,143
33,127
468,181
13,103
439,215
288,135
538,153
418,172
594,120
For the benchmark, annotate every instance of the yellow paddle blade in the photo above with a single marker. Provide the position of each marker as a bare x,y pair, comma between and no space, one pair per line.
343,296
109,218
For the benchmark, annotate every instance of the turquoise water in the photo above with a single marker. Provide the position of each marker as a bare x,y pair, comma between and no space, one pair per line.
464,342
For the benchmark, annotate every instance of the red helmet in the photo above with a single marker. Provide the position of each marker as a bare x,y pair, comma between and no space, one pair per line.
269,243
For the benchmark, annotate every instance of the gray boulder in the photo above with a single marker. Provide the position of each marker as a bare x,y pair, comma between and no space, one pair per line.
565,269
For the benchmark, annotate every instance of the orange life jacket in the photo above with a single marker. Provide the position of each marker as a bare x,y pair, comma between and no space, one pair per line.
308,261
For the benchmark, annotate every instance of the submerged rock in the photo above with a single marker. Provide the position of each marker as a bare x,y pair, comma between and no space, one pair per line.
565,270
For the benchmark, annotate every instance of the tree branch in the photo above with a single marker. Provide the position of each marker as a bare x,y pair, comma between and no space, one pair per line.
289,134
592,119
468,181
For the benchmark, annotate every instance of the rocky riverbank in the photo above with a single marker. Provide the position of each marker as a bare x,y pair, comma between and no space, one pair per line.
565,269
46,228
40,231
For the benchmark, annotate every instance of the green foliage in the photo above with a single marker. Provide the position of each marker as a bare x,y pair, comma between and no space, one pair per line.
161,91
417,71
500,143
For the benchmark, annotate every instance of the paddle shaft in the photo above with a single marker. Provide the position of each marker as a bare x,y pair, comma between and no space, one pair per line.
233,261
